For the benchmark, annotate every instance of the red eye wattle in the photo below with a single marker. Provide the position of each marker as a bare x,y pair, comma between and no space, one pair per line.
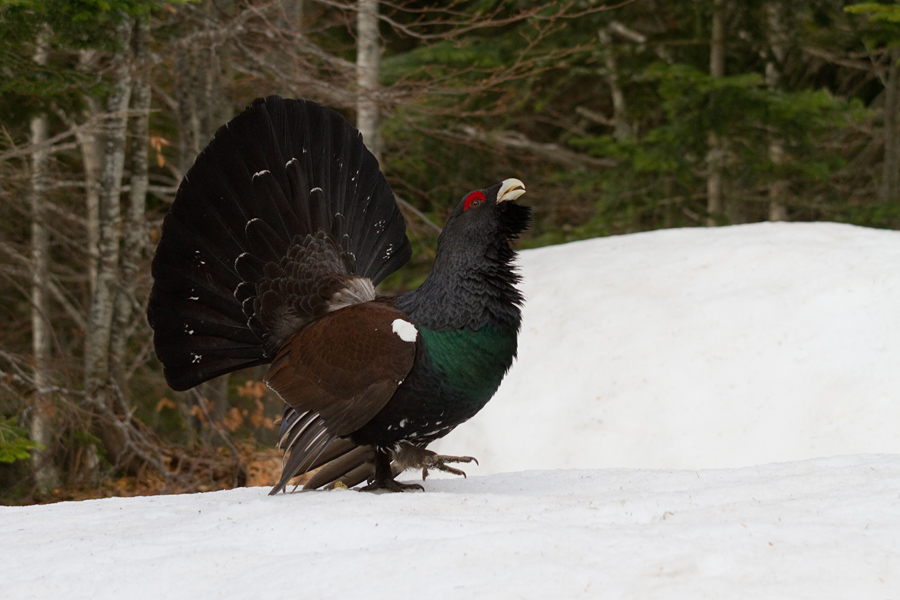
473,199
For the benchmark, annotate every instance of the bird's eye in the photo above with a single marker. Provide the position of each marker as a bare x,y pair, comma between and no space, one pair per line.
473,199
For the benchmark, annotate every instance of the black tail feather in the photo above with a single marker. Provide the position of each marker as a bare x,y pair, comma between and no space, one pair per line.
308,448
277,173
344,468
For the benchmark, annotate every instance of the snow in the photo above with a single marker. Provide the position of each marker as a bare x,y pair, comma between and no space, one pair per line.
700,348
669,431
827,528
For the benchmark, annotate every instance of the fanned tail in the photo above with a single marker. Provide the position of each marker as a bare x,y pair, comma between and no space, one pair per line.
283,217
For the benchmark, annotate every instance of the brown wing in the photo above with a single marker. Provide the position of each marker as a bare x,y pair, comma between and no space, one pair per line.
346,365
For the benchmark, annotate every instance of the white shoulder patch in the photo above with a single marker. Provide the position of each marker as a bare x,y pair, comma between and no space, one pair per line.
406,330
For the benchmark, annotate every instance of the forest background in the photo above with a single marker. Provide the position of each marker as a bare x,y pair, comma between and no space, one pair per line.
621,117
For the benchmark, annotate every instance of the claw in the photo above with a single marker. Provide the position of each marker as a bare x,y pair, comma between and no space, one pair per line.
438,461
408,456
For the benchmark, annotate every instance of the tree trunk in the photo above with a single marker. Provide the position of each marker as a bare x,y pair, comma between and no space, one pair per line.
91,143
368,61
97,342
778,188
621,127
291,14
41,426
890,177
134,235
215,393
715,156
188,119
200,83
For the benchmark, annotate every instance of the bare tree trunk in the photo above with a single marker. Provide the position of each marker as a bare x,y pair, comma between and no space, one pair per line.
91,143
134,236
199,92
41,422
215,392
290,21
292,14
189,121
890,177
778,188
97,342
715,156
621,127
368,62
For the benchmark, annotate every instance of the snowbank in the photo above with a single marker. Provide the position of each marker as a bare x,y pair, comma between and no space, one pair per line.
818,529
700,348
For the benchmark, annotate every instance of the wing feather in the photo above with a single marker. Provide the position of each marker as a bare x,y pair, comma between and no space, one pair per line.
344,366
335,374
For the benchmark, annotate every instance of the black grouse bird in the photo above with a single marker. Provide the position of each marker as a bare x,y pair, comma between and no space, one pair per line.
271,253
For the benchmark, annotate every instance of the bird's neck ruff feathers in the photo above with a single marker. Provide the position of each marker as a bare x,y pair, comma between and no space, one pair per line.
472,283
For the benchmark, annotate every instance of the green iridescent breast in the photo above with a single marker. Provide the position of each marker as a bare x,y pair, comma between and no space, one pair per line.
472,362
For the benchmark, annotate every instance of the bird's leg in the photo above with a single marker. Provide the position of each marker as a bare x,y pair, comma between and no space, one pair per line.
384,476
413,457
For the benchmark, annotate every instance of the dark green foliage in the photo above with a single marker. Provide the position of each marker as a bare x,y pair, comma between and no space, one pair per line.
73,23
666,164
878,12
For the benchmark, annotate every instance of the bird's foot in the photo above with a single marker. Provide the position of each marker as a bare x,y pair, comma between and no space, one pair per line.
439,462
408,456
391,485
383,478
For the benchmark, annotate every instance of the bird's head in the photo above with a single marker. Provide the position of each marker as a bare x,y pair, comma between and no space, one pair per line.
472,282
486,216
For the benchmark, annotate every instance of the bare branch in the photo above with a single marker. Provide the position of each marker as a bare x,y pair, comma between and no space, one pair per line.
859,65
418,213
517,141
594,116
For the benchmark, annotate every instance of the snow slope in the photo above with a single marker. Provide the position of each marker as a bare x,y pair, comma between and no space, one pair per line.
700,348
821,529
684,349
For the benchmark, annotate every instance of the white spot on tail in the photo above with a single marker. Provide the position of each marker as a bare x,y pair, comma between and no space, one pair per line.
258,173
288,163
241,255
315,189
405,330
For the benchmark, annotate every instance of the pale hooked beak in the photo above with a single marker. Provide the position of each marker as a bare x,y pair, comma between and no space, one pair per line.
510,189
